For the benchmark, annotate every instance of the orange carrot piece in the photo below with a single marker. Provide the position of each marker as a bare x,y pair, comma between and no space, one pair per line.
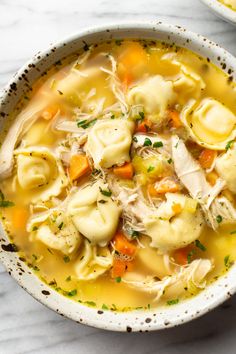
207,157
79,166
121,266
212,178
163,186
125,171
174,119
19,217
123,245
177,208
49,112
181,255
143,126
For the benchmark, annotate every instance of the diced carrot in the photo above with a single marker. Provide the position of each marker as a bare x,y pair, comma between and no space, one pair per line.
177,208
121,266
132,58
79,166
163,186
181,255
19,217
143,126
207,157
49,112
125,171
212,177
174,118
123,245
127,79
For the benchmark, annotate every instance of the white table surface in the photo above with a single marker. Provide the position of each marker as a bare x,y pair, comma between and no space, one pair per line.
26,326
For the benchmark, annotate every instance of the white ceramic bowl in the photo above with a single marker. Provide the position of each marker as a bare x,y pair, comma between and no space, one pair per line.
221,10
154,319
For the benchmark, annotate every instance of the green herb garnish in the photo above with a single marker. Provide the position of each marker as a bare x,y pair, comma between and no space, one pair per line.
158,144
118,279
200,245
134,234
233,232
35,228
113,116
190,256
72,292
172,302
61,225
147,142
105,192
90,303
219,219
105,307
86,123
141,115
66,259
135,139
150,168
170,161
68,278
102,201
229,144
5,203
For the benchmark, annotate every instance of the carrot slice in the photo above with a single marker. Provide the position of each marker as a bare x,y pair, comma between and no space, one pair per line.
123,245
207,157
79,166
143,126
19,217
163,186
181,255
126,171
121,266
174,119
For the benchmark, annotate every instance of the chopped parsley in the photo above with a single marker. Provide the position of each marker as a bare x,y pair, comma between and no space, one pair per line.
118,279
158,144
35,228
141,115
113,116
200,245
105,307
229,144
219,219
61,225
102,201
170,161
228,263
190,256
134,234
118,42
66,259
147,142
150,168
233,232
172,302
5,203
72,292
105,192
135,139
90,303
86,123
68,278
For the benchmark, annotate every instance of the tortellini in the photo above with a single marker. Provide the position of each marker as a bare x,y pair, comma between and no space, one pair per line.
209,123
109,142
155,94
92,262
94,213
226,168
56,230
40,173
169,230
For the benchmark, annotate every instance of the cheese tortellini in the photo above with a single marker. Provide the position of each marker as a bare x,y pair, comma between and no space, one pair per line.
170,230
94,213
55,229
40,173
155,94
226,168
93,261
209,123
109,142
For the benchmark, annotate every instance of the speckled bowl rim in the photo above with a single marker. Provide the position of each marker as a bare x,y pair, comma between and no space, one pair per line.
221,10
142,320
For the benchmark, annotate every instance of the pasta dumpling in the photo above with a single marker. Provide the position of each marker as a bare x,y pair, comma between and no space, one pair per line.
40,173
155,94
226,168
109,142
209,123
92,261
56,230
94,213
170,230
